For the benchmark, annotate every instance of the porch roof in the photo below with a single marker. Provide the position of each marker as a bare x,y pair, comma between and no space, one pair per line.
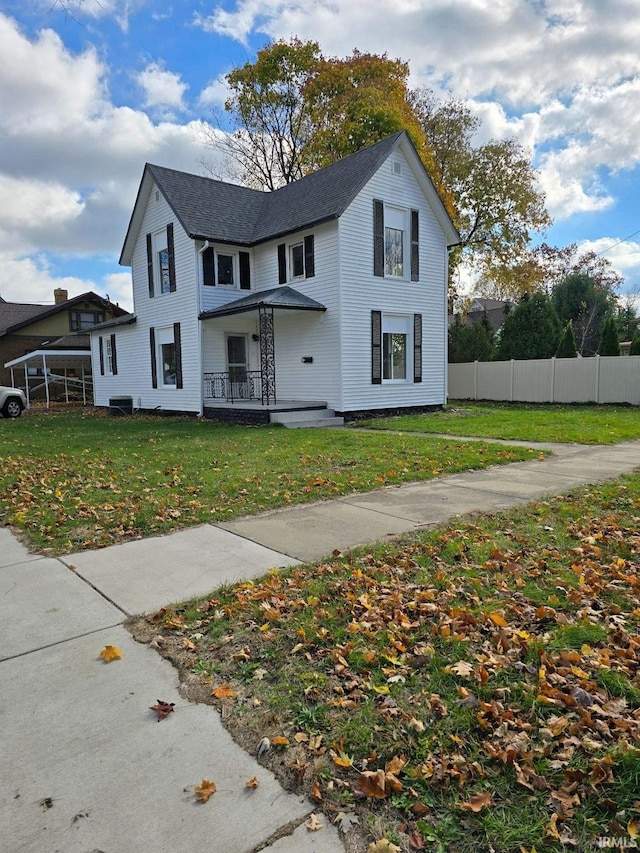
277,297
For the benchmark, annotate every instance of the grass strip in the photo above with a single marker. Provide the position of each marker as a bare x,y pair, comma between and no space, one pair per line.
523,422
476,687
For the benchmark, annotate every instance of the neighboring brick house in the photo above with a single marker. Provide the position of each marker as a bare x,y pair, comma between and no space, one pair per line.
25,327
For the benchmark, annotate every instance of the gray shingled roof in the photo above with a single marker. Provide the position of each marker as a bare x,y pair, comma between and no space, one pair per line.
276,297
13,313
16,315
213,210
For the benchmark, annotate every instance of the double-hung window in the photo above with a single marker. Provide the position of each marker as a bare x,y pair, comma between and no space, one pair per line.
396,247
396,333
395,235
161,271
296,260
226,269
166,356
396,348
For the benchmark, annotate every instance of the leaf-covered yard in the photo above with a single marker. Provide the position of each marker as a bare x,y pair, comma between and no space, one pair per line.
73,480
475,688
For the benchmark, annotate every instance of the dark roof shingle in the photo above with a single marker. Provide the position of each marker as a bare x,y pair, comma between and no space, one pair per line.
214,210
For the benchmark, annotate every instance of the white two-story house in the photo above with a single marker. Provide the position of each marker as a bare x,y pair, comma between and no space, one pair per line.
329,292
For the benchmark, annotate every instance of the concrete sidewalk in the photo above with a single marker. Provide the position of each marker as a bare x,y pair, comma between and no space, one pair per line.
86,767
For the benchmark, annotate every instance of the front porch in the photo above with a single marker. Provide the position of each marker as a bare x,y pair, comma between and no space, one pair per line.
286,412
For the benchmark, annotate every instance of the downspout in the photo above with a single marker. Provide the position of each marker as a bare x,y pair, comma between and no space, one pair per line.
200,335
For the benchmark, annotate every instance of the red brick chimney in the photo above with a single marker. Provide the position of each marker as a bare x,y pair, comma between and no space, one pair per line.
60,295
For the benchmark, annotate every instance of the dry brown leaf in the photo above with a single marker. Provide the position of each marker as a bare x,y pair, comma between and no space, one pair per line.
314,824
162,709
204,790
280,740
316,791
383,846
478,802
223,691
110,653
252,783
498,619
341,759
462,668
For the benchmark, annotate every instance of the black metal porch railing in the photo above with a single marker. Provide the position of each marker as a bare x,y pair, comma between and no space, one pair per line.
234,386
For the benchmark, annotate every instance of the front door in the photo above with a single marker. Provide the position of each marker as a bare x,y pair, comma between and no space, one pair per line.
237,366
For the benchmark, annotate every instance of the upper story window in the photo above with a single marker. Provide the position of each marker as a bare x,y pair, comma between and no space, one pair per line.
81,320
228,269
161,271
396,233
298,262
225,265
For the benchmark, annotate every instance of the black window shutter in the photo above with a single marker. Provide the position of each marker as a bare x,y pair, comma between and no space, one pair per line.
282,264
150,265
208,267
172,259
417,347
101,349
245,271
378,237
114,359
415,247
154,360
376,347
177,341
309,258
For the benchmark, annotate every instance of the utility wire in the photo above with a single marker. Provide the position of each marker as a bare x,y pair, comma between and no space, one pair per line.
624,240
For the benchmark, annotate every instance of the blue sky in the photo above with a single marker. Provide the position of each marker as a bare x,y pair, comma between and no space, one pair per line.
91,89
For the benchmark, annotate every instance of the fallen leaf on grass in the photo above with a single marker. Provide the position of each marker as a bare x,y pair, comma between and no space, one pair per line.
162,709
477,802
110,653
223,691
204,790
341,759
313,824
280,740
378,784
383,846
346,820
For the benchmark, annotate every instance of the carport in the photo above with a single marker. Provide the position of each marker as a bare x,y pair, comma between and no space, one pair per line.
69,368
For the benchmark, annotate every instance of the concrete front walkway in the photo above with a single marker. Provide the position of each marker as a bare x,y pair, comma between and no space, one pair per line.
85,765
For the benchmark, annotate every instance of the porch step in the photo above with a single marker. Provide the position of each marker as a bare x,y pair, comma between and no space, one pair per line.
318,422
307,417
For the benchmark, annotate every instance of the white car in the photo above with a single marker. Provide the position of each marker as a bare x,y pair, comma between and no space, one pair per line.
12,402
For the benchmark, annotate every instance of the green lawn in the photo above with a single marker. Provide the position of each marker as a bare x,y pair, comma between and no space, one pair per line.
523,422
473,688
73,480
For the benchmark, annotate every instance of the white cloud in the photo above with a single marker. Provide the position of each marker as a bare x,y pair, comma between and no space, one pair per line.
623,254
162,88
562,76
216,93
119,10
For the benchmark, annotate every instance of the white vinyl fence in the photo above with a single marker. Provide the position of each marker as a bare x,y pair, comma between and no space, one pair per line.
601,379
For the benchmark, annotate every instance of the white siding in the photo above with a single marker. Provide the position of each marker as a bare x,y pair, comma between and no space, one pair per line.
298,334
134,364
362,292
